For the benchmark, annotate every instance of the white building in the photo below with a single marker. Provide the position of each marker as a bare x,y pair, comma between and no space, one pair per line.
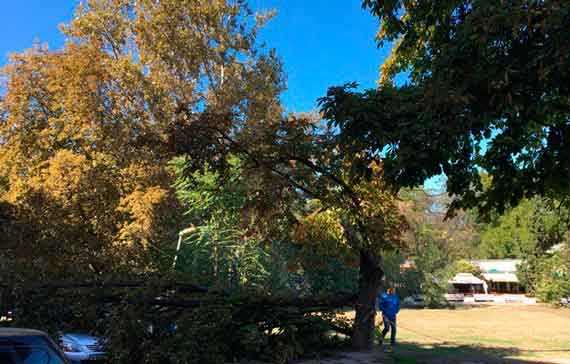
500,274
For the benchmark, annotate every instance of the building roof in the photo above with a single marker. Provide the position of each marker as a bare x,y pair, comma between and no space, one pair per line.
501,277
465,278
497,265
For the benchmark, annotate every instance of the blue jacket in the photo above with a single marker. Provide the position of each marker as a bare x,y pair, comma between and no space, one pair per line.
389,304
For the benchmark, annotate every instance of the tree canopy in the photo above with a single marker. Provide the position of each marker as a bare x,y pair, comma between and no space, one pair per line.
488,89
86,131
157,116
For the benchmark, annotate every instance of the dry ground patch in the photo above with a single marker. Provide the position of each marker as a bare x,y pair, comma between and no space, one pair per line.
506,334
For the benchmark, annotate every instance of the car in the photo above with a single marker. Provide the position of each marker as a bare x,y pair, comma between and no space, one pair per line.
82,348
27,346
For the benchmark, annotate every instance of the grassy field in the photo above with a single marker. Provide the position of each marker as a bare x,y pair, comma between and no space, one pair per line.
506,334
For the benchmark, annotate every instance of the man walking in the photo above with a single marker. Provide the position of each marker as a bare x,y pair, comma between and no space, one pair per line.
389,305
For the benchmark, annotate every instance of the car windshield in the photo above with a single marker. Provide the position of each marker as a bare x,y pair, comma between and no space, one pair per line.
28,350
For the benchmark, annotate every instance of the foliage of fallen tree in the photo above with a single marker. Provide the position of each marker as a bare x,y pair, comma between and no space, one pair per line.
170,322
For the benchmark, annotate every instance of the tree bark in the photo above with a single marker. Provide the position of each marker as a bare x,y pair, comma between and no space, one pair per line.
369,281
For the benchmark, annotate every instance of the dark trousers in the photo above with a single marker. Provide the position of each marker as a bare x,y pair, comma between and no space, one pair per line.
389,325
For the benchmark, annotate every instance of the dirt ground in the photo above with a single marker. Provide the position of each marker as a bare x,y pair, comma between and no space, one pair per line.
504,334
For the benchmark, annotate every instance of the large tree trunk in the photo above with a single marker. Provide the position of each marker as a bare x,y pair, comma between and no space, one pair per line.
369,281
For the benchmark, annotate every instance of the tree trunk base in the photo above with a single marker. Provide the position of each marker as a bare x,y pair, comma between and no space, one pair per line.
370,277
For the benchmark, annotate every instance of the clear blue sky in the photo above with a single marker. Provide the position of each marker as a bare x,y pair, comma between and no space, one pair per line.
321,42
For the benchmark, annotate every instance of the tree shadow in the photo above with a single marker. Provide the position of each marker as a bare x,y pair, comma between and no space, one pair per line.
414,353
448,306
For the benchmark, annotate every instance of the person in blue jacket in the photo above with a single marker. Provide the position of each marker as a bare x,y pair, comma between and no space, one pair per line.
389,305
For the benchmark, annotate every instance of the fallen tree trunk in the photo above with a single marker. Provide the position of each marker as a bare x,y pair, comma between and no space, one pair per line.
334,300
266,312
183,287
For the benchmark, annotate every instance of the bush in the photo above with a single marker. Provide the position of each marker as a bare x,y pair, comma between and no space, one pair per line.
554,279
547,276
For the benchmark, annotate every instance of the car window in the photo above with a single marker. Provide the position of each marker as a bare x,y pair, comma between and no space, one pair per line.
8,356
37,356
25,355
29,350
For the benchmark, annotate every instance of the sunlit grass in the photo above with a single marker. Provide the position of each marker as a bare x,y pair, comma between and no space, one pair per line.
510,333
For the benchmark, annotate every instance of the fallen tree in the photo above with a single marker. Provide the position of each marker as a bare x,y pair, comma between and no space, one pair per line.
282,327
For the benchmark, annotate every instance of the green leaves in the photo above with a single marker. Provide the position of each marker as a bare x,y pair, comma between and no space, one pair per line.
550,279
480,72
528,229
389,124
223,248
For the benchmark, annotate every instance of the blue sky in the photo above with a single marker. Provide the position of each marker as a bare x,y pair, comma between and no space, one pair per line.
321,42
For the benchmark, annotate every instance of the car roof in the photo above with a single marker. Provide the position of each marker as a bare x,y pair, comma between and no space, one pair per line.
12,331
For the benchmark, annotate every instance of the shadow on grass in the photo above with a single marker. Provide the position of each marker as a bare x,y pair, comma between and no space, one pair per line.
411,353
449,306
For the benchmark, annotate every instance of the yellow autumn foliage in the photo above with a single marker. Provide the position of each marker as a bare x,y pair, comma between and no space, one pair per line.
84,130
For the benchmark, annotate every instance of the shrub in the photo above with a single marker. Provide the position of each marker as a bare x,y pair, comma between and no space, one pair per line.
554,279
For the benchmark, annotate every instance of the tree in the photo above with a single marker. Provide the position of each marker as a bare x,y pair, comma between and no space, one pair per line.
552,282
76,183
297,168
86,131
531,228
140,81
433,247
425,212
528,232
357,216
488,89
513,234
490,84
